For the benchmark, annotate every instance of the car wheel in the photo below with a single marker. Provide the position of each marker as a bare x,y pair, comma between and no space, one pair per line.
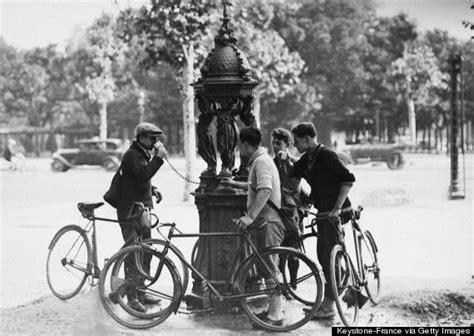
110,165
395,161
58,166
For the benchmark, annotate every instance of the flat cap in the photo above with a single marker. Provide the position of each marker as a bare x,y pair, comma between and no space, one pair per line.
146,128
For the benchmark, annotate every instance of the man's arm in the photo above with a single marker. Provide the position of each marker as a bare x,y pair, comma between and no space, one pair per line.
140,167
235,184
336,211
261,199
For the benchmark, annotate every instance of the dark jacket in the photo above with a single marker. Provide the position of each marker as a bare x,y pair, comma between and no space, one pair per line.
137,170
325,175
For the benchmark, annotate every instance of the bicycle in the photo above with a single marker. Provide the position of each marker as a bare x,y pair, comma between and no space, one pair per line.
347,280
72,257
253,282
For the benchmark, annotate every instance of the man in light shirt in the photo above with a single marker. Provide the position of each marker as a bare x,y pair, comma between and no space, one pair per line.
263,184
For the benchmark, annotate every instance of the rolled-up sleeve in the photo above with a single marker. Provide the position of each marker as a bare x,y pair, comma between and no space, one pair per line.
264,175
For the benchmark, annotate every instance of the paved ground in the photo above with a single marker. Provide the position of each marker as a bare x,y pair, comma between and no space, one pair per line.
425,240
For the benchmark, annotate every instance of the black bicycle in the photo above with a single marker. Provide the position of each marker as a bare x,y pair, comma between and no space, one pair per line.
348,279
72,256
253,282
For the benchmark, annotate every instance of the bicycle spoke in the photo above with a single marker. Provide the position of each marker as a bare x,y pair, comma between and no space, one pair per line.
121,282
343,286
261,294
67,275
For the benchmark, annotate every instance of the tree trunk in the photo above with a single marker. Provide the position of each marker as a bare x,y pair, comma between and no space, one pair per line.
412,120
189,122
103,121
256,109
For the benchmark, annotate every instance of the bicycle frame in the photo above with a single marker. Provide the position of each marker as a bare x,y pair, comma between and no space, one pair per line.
90,228
358,236
233,269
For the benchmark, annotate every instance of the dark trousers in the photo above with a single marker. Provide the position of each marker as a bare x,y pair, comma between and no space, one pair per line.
330,235
129,232
291,240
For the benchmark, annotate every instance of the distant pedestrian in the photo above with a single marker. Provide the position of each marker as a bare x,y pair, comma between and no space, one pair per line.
12,153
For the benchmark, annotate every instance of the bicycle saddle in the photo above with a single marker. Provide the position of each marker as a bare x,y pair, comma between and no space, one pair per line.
89,206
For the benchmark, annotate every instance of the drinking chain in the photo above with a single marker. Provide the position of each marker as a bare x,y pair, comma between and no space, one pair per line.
179,174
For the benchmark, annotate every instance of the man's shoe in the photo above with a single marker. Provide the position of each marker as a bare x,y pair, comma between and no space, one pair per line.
146,298
137,306
322,314
263,316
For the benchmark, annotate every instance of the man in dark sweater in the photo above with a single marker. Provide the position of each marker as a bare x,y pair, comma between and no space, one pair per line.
330,183
139,164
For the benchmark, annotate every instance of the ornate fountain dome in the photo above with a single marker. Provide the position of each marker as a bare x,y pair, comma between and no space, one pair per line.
226,62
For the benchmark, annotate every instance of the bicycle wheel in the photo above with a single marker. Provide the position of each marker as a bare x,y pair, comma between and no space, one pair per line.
194,253
290,267
256,283
371,266
309,245
162,281
69,261
343,286
176,257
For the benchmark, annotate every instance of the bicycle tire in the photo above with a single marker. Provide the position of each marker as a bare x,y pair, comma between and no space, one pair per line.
309,244
343,286
258,294
371,269
180,257
113,287
194,253
68,263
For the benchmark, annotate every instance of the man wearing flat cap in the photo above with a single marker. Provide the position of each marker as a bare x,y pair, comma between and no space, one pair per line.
139,164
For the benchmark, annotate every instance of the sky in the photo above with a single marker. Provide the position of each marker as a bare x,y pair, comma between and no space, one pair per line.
27,24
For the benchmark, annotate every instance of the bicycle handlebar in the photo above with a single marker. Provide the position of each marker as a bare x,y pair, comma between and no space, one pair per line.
355,214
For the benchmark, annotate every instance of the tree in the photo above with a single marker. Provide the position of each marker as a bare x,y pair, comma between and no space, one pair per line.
416,74
172,31
108,53
386,37
329,37
276,67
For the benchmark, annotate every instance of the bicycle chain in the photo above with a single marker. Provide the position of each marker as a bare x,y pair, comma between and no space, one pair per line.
179,174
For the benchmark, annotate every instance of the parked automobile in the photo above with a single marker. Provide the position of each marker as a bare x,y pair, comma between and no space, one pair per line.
106,153
392,154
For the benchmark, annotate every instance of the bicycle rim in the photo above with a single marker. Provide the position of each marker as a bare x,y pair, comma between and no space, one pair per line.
343,286
176,257
261,291
116,289
69,262
371,267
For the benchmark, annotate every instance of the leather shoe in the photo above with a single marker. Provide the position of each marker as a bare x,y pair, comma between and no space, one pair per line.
137,306
147,298
322,314
263,316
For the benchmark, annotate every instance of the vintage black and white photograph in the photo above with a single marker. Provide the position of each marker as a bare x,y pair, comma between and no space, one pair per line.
236,167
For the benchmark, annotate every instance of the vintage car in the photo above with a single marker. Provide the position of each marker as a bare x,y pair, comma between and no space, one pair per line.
106,153
392,154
